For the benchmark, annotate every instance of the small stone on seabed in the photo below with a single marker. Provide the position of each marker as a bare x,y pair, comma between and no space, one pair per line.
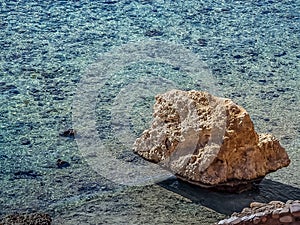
25,141
68,133
62,164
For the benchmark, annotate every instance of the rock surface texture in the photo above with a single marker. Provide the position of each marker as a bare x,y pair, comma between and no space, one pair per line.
273,213
27,219
208,141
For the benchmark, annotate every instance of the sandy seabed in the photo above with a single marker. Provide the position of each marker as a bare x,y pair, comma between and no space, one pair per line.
251,53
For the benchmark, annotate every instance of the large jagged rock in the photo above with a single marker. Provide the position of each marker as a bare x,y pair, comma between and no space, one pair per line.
208,141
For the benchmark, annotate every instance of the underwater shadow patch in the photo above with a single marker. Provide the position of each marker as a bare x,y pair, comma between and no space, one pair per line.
227,203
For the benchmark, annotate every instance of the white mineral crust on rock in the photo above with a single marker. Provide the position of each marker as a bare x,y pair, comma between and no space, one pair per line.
208,140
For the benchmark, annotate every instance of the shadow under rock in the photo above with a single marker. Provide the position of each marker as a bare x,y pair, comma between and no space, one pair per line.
227,203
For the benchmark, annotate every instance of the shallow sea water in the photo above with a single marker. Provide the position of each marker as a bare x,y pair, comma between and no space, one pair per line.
96,67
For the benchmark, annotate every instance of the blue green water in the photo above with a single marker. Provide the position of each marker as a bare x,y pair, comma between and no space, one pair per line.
50,48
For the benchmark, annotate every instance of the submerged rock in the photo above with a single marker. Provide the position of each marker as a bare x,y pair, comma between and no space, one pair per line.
68,133
209,141
26,174
273,213
62,164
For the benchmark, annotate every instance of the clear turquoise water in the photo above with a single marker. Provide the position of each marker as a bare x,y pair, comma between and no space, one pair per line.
48,49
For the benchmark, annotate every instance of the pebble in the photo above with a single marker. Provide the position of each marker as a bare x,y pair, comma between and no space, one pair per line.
25,141
295,209
284,211
277,203
68,133
279,54
153,33
62,164
264,219
286,219
256,204
256,220
275,214
202,42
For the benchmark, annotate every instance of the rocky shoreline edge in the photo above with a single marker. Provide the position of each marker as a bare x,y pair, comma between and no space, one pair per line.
272,213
